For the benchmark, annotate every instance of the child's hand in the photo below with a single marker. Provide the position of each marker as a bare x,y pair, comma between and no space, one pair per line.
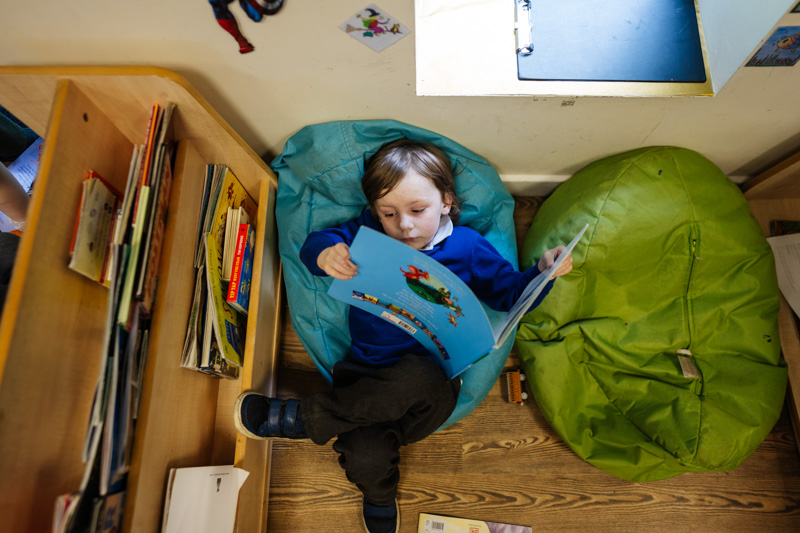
549,258
335,261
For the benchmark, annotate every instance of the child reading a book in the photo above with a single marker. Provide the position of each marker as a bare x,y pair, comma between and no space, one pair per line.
390,392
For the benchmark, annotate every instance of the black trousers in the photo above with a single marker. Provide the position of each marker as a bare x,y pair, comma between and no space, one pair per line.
375,411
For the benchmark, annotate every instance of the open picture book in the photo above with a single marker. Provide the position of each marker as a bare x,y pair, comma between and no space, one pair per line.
417,293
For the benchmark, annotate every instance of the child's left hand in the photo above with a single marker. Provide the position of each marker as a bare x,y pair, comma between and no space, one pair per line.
549,258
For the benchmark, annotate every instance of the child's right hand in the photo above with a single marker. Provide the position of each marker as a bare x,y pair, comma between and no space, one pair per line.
335,261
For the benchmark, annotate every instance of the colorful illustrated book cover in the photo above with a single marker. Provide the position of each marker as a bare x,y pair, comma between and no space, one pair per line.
229,326
417,293
431,523
232,194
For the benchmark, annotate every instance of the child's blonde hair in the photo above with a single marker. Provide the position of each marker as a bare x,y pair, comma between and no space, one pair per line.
393,160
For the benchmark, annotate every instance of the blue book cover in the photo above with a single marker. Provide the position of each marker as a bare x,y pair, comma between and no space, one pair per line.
417,293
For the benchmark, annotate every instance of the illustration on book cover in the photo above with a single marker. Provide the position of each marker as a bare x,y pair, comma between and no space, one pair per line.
430,302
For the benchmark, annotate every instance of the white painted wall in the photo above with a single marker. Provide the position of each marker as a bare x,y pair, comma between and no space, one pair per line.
306,70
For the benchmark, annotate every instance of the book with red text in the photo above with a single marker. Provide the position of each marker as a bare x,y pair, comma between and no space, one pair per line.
242,271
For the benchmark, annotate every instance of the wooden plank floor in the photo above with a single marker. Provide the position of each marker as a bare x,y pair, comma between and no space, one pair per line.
504,463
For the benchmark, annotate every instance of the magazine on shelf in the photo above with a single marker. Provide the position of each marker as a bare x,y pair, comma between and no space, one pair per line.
418,294
214,342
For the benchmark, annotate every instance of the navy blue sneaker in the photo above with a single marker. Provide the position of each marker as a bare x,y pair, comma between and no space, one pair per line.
259,417
381,518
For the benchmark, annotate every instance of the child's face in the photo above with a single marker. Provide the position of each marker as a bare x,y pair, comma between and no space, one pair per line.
411,211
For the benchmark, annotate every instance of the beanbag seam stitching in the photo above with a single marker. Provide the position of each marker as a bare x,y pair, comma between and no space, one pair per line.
686,295
689,306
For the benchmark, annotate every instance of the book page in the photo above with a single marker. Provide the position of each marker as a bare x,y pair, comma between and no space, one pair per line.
787,262
202,499
503,329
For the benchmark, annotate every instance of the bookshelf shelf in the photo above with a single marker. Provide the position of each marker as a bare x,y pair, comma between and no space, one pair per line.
53,321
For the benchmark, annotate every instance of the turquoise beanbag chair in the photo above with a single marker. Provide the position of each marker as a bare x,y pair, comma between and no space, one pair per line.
659,354
319,175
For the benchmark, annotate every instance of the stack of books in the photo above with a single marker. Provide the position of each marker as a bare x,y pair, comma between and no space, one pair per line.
214,342
117,242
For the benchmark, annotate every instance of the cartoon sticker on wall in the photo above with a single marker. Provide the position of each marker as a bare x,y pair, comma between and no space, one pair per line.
374,27
255,10
782,49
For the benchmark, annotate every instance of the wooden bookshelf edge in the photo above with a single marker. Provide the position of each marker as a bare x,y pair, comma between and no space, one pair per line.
775,194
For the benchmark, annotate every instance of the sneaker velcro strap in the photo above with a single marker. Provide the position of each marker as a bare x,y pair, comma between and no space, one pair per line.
282,418
289,419
274,419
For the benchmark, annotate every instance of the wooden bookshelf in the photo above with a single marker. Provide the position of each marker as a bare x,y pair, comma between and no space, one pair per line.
775,195
53,321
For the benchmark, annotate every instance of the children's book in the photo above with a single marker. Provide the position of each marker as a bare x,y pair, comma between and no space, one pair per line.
431,523
229,326
224,192
242,270
211,183
236,217
94,228
417,293
231,194
122,227
129,275
214,342
197,314
153,235
109,514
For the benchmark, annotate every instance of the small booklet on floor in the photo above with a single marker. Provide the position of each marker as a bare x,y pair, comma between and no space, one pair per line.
417,293
431,523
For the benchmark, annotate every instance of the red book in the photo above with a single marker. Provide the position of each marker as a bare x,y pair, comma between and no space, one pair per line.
238,257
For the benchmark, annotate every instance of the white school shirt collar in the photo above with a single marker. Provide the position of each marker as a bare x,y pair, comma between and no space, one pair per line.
444,231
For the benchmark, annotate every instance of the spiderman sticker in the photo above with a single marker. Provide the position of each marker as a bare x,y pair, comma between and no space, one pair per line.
255,9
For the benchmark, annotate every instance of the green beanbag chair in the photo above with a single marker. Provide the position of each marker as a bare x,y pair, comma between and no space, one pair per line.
319,186
659,354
